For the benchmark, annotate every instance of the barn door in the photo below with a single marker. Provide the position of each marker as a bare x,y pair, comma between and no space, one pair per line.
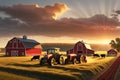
14,52
79,48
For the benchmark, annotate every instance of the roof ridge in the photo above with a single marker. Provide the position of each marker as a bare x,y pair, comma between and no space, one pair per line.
28,40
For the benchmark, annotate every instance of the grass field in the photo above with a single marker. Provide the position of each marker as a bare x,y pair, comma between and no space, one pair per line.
21,68
101,52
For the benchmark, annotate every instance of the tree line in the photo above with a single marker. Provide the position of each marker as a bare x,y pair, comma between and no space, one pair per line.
115,44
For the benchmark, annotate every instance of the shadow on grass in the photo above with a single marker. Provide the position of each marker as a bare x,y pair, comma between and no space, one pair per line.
70,69
1,55
25,65
28,65
37,75
82,74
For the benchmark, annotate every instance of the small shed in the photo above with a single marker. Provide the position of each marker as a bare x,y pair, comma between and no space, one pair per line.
112,52
82,48
23,47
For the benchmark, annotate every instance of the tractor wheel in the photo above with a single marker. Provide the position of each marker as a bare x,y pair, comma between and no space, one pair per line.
79,59
74,61
52,62
31,59
41,61
66,61
85,61
62,61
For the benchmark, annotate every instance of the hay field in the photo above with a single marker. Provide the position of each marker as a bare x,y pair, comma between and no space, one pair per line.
21,68
101,52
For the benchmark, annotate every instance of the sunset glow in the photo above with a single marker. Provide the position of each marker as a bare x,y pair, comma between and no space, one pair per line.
60,21
68,40
36,5
43,39
59,13
60,39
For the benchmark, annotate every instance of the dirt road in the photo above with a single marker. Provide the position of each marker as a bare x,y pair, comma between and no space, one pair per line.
117,75
113,72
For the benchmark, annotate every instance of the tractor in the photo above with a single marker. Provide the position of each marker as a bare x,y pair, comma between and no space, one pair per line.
74,58
52,57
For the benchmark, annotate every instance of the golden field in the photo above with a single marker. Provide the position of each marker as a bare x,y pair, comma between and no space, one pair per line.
21,68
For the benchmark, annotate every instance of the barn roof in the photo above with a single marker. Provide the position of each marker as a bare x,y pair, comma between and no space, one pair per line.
111,50
85,44
29,43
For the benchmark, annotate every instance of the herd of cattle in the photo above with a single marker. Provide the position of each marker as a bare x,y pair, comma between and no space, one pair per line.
101,55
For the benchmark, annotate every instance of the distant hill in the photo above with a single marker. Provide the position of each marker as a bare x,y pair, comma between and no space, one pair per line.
62,46
67,46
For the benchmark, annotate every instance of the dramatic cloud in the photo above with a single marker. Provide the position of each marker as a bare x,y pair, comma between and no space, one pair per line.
117,11
40,21
34,13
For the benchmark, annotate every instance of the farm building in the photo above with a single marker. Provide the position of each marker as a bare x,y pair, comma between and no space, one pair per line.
23,47
112,52
82,48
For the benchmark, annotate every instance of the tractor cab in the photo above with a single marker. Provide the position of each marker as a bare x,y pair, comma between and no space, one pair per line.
53,50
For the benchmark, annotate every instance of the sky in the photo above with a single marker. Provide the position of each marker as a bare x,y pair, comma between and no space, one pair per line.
60,21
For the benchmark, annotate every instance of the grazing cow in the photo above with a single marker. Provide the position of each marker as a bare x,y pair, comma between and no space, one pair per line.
35,57
96,55
102,55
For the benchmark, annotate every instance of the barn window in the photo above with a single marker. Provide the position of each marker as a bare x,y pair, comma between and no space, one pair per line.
15,40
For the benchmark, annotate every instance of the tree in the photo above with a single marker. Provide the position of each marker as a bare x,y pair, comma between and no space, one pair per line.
115,44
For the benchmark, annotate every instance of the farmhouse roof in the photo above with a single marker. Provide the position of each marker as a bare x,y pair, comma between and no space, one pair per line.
29,43
112,50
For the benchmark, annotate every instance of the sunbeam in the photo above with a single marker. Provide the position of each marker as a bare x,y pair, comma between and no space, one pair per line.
89,20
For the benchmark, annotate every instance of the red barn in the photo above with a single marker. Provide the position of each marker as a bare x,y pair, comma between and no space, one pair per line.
112,52
23,47
81,47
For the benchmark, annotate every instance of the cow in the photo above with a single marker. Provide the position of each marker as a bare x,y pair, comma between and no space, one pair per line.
102,55
96,55
35,57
